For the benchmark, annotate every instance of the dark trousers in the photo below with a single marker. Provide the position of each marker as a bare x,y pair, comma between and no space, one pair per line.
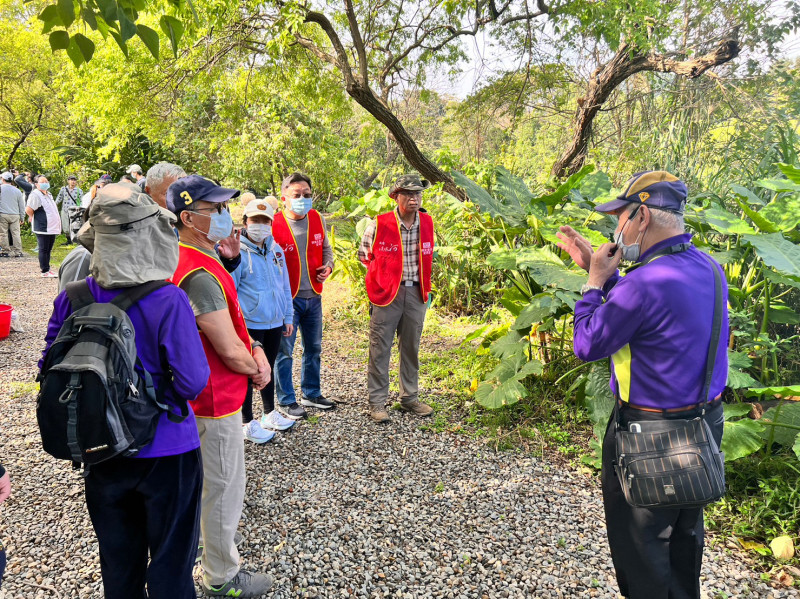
45,248
271,340
147,505
657,553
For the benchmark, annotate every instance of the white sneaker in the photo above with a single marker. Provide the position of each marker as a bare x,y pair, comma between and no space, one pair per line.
253,432
276,421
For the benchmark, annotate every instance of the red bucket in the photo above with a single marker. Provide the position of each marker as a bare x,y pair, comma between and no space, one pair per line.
5,320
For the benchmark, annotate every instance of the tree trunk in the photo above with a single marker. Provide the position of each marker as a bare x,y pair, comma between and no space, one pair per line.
406,143
14,149
625,63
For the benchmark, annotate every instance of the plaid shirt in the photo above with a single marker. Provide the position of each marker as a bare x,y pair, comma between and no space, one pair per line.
410,238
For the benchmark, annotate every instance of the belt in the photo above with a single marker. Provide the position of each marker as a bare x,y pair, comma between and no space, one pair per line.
710,404
410,283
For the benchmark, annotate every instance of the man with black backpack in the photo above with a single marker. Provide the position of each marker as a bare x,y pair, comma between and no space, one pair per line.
122,359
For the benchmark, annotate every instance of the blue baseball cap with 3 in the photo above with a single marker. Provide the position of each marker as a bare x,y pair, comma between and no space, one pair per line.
655,189
194,188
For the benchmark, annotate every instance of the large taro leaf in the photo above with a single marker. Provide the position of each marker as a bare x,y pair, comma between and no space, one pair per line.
548,232
595,185
561,192
736,410
724,222
495,396
510,345
487,203
598,396
784,391
541,306
548,274
747,195
777,252
512,189
738,361
782,279
780,314
528,255
764,224
503,385
741,438
788,413
778,185
503,259
792,172
783,212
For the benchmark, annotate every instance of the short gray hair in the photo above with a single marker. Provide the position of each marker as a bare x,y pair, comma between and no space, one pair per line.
668,220
160,171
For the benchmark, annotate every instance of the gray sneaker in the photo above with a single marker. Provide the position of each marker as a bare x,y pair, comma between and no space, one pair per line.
321,402
293,411
244,584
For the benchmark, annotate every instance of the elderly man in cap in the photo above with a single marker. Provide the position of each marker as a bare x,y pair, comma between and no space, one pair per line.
12,215
397,250
233,357
137,173
69,196
657,324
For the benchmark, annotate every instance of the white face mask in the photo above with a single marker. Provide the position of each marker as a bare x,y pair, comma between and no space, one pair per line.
258,232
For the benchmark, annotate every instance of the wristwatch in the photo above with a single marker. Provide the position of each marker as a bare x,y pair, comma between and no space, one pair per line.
586,287
256,344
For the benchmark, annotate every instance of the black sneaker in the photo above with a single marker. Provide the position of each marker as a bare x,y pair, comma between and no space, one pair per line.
320,402
293,411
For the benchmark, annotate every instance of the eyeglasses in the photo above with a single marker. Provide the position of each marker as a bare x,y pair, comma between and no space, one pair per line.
218,207
307,196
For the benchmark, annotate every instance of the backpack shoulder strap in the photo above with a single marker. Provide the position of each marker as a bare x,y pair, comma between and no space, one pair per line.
131,295
79,294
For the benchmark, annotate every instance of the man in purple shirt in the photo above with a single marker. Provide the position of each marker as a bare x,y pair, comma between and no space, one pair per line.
655,324
148,504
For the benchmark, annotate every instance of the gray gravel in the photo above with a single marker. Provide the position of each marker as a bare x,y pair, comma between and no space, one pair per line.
339,507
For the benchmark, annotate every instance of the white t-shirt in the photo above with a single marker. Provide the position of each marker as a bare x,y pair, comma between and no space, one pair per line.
37,200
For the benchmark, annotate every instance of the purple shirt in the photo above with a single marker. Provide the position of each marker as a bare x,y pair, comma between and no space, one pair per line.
165,326
656,325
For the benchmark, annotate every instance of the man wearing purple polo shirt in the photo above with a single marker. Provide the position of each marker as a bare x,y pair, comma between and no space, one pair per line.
655,323
148,505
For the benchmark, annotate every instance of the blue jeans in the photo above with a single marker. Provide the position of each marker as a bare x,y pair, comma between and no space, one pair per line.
308,320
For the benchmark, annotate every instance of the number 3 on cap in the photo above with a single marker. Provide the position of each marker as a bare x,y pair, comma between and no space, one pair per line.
185,195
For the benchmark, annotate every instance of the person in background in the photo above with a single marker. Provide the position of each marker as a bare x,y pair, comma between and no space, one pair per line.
398,286
160,176
233,356
12,215
145,509
301,232
655,323
126,179
92,193
69,196
45,222
136,172
24,181
262,282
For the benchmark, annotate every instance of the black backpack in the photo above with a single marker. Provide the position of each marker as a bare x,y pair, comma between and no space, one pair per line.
92,404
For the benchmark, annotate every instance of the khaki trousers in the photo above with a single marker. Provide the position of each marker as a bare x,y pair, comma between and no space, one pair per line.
404,316
10,222
222,446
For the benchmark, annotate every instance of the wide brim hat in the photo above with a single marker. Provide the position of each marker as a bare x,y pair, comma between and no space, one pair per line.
409,183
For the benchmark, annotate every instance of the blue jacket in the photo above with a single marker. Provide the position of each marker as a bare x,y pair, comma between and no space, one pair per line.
262,282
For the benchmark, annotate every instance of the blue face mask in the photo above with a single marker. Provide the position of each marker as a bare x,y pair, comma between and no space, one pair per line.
220,227
301,206
44,186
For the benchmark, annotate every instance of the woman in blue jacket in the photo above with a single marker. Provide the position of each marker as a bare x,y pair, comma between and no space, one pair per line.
262,282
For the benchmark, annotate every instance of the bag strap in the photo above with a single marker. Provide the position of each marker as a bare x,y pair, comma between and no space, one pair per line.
79,294
716,330
131,295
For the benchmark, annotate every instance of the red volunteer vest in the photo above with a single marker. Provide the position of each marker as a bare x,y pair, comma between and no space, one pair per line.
385,269
283,235
224,394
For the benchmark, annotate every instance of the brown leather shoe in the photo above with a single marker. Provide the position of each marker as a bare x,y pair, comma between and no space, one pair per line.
379,415
417,407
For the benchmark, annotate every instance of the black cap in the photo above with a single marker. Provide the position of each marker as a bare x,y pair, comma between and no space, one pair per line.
72,178
194,188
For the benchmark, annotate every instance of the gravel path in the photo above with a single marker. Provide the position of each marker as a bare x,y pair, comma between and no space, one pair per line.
339,507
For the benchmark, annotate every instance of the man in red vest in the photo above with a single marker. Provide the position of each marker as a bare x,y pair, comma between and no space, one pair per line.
300,231
397,250
204,220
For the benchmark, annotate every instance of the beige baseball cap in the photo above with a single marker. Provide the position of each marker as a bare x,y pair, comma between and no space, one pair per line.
263,207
